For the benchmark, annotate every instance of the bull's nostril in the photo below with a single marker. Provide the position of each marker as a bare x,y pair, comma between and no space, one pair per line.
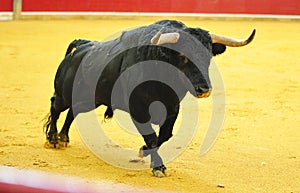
202,92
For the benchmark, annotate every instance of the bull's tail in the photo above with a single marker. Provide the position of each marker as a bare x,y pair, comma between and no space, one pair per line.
47,123
47,119
109,113
75,44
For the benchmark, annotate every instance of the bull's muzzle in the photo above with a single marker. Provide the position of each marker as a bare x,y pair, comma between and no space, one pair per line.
204,95
202,92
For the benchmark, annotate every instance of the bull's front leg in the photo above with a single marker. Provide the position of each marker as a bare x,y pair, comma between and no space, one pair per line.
151,148
142,122
159,169
153,142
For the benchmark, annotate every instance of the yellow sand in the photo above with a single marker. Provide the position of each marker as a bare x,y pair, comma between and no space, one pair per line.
257,151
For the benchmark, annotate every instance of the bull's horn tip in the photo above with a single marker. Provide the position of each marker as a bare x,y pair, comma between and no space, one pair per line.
253,32
252,35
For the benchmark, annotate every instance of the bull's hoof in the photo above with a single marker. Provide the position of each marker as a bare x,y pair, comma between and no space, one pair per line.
143,152
160,171
52,141
52,138
49,145
63,140
59,145
157,173
63,144
166,172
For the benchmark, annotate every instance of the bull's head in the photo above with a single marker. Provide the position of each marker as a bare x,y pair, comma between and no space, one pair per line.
215,44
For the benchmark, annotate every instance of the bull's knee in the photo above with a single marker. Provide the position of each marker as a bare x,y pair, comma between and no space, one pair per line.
151,140
163,138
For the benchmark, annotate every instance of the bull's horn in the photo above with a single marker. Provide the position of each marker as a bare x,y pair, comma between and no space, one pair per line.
232,42
155,38
161,38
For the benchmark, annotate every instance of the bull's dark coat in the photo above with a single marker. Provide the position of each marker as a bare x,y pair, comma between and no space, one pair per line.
85,79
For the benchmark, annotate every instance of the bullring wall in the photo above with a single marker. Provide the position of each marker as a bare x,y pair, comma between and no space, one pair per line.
277,7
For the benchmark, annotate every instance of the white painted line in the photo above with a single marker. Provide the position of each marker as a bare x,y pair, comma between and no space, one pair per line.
6,16
9,15
262,16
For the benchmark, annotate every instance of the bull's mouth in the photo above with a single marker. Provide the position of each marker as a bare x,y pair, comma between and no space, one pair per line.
202,93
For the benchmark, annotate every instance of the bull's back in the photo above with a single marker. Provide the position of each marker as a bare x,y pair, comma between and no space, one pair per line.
66,72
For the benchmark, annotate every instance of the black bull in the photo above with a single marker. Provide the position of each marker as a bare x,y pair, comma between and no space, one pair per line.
86,79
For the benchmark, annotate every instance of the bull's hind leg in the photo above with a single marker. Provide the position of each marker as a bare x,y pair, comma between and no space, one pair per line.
51,124
63,136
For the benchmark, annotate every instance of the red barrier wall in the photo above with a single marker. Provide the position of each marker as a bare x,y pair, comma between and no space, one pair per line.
281,7
6,5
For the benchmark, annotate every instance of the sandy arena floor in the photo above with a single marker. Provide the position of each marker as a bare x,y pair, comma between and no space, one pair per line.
258,148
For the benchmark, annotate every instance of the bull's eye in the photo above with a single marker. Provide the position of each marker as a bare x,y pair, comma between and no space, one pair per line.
184,58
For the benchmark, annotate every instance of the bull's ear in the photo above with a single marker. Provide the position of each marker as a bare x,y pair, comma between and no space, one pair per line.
218,48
